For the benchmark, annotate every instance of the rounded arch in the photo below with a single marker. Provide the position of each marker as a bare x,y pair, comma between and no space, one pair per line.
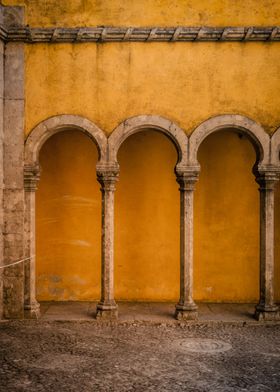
275,148
260,139
45,129
138,123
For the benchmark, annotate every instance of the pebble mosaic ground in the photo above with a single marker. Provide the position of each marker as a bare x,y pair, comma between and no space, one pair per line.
87,356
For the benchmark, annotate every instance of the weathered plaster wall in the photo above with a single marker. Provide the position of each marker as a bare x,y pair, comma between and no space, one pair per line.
186,83
145,12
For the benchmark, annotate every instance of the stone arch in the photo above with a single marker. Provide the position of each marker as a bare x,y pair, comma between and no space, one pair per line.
259,138
38,136
138,123
275,148
53,125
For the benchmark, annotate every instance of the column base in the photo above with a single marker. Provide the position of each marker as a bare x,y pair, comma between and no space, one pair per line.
267,313
32,311
107,311
186,312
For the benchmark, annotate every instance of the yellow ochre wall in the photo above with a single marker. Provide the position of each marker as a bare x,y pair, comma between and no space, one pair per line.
185,82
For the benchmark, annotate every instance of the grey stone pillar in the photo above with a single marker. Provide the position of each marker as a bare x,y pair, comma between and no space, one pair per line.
31,178
266,308
107,307
13,193
186,308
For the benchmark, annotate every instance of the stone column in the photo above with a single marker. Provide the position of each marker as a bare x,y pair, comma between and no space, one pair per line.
2,46
31,178
186,308
266,308
107,307
13,193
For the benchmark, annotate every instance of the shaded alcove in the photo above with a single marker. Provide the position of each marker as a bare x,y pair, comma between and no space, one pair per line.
68,210
147,230
226,221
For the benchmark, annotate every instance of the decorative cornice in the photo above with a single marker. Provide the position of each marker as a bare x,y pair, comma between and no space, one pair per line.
140,34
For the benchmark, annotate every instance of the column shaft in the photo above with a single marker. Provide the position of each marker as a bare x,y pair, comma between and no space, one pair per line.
186,308
107,306
31,178
266,308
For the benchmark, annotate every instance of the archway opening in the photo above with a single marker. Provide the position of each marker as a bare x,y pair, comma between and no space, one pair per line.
147,230
68,210
226,229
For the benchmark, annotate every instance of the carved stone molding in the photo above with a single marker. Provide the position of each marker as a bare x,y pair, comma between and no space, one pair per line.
187,180
275,148
259,138
140,34
268,179
45,129
135,124
107,177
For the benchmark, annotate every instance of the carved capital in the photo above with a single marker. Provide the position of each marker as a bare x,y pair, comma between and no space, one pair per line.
31,177
187,179
267,178
107,177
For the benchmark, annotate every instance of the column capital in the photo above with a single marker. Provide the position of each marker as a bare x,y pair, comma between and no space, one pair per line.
187,179
107,176
31,177
267,177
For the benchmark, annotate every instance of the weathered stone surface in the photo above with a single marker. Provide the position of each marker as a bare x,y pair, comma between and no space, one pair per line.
135,124
14,71
253,130
1,170
14,119
186,308
275,148
266,308
13,152
55,124
107,307
13,294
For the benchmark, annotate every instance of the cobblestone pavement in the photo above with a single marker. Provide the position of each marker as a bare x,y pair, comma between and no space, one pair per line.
87,356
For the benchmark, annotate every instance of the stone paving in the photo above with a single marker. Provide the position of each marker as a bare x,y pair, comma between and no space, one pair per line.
135,356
